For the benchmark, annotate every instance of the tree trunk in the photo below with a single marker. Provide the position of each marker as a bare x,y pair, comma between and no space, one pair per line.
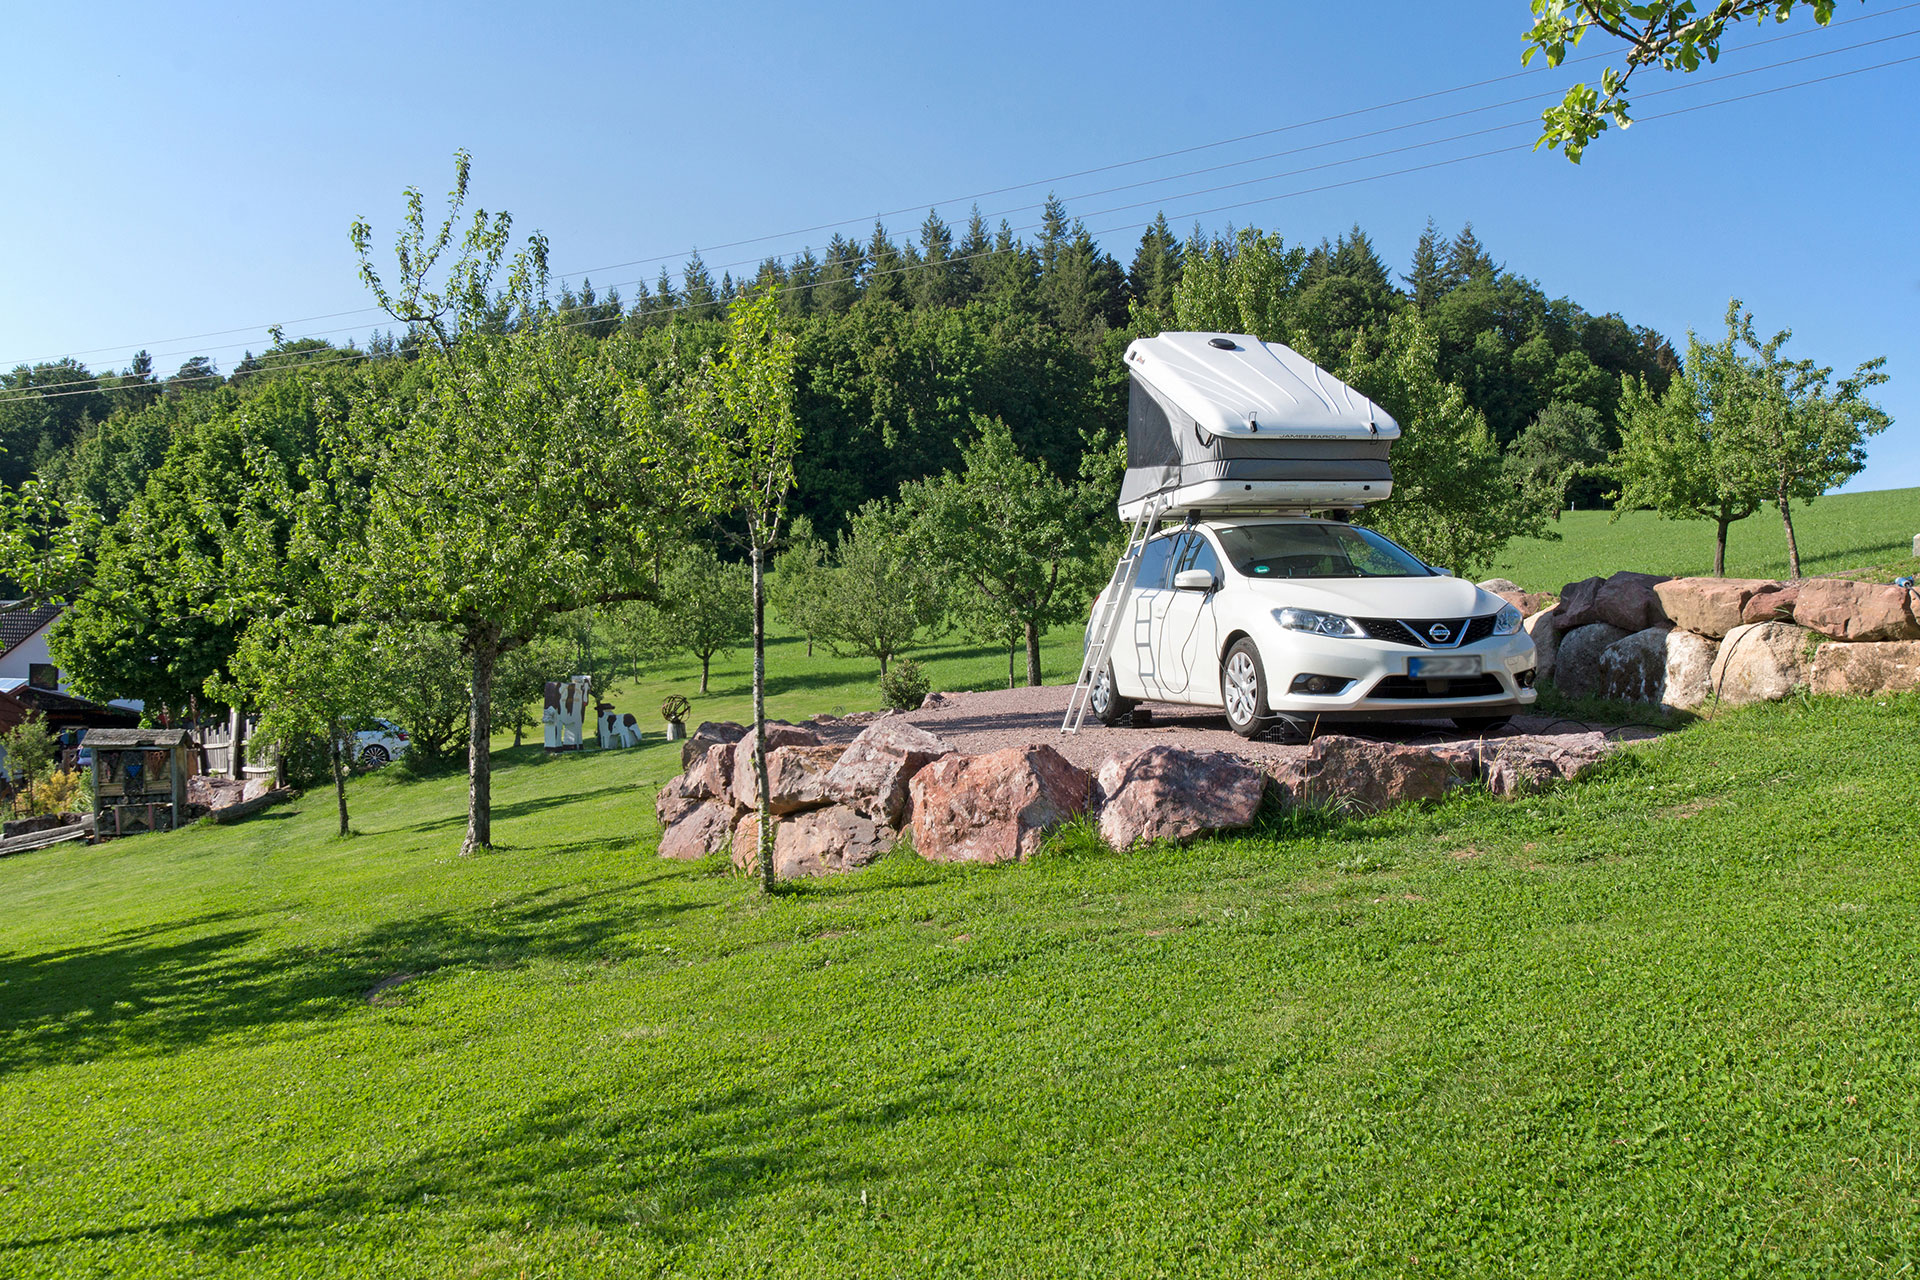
1793,546
1013,650
883,663
765,824
1720,543
339,779
479,764
517,727
706,660
1033,655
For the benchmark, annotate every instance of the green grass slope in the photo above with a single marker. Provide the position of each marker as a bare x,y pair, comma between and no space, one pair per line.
1838,534
1662,1023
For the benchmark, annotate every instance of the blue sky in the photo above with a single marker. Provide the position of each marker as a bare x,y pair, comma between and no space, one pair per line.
174,176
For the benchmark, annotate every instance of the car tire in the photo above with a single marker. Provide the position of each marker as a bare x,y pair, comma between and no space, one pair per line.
1481,724
1107,706
1243,689
374,756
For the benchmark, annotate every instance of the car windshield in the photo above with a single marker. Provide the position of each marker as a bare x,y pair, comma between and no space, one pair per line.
1316,551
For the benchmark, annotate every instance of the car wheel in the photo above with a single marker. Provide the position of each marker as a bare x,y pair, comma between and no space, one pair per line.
374,756
1108,707
1243,687
1481,724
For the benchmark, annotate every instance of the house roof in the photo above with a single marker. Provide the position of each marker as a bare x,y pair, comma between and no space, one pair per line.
137,737
64,711
16,625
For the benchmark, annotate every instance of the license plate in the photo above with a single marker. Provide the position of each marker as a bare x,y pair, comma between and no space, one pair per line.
1459,664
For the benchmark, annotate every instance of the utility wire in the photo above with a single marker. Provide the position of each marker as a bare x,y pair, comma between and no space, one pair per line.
349,356
1122,164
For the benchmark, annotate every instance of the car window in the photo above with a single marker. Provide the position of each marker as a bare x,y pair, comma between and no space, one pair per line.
1201,555
1316,551
1154,563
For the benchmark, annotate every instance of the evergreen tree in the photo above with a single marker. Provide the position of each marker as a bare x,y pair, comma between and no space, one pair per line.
886,279
699,300
1155,272
839,277
1008,275
1468,260
1426,281
934,283
970,258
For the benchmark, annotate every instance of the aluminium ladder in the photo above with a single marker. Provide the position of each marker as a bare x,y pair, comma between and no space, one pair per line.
1113,611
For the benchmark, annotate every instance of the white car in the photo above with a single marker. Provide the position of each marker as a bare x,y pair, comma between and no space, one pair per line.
1301,620
378,742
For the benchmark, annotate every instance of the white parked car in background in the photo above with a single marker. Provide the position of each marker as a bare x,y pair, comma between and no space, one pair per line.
378,742
1302,620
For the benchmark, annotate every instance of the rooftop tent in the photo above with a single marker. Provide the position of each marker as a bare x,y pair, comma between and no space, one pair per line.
1223,421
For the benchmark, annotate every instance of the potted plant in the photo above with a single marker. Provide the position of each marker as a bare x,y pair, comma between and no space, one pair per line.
674,712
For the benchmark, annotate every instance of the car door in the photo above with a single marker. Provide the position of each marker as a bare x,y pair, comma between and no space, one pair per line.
1135,670
1186,627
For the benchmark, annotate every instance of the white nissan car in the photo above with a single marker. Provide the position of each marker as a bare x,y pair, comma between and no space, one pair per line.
1302,620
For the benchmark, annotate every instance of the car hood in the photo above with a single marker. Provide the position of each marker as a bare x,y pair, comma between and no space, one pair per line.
1378,597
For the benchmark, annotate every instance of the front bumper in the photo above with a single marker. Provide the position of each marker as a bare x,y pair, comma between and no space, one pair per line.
1381,688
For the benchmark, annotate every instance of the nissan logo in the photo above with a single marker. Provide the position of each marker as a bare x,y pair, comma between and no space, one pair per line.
1439,633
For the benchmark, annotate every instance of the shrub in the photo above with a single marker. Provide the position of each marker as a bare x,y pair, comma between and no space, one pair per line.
62,791
29,748
904,686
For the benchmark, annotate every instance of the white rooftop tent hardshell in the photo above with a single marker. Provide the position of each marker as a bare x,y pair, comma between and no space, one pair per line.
1224,421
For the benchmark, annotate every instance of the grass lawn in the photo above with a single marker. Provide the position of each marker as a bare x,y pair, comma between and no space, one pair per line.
1662,1023
1838,534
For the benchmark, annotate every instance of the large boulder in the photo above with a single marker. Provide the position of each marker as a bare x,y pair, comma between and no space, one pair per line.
1342,772
994,807
1629,601
1761,662
675,800
1576,665
1868,669
1546,642
1708,606
1664,665
1525,763
710,776
1169,793
1856,610
815,843
1773,602
1579,604
871,776
796,777
1634,667
710,733
1689,670
706,830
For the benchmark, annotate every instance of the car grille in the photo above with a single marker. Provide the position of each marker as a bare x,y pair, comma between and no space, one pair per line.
1414,631
1481,686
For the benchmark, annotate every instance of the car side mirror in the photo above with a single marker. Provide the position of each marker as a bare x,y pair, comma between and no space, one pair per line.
1193,580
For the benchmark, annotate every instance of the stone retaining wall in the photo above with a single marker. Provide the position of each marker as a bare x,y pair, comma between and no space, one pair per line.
1682,642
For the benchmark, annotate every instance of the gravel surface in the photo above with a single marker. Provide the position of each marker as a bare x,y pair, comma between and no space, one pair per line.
996,718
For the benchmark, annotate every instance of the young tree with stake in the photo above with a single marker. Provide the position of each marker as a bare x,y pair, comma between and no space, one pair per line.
743,433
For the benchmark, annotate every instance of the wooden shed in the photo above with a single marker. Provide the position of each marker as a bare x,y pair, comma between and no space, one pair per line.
139,779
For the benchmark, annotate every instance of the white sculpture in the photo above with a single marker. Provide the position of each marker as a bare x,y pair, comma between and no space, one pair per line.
565,713
617,730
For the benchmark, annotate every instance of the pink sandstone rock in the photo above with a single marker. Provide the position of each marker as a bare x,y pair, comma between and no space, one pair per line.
1868,669
702,832
1167,793
710,733
675,800
1546,641
1708,606
1629,601
815,843
994,807
1771,603
871,776
1856,610
1343,772
1579,604
796,778
710,777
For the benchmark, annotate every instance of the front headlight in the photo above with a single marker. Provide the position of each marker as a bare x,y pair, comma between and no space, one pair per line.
1318,623
1507,621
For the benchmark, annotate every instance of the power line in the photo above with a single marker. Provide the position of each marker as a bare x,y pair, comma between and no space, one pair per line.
355,355
1122,164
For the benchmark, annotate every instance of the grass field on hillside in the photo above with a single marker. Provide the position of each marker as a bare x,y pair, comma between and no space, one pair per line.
1659,1023
1841,532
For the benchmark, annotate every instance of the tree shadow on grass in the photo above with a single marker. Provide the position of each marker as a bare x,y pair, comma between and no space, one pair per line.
524,808
655,1163
155,991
